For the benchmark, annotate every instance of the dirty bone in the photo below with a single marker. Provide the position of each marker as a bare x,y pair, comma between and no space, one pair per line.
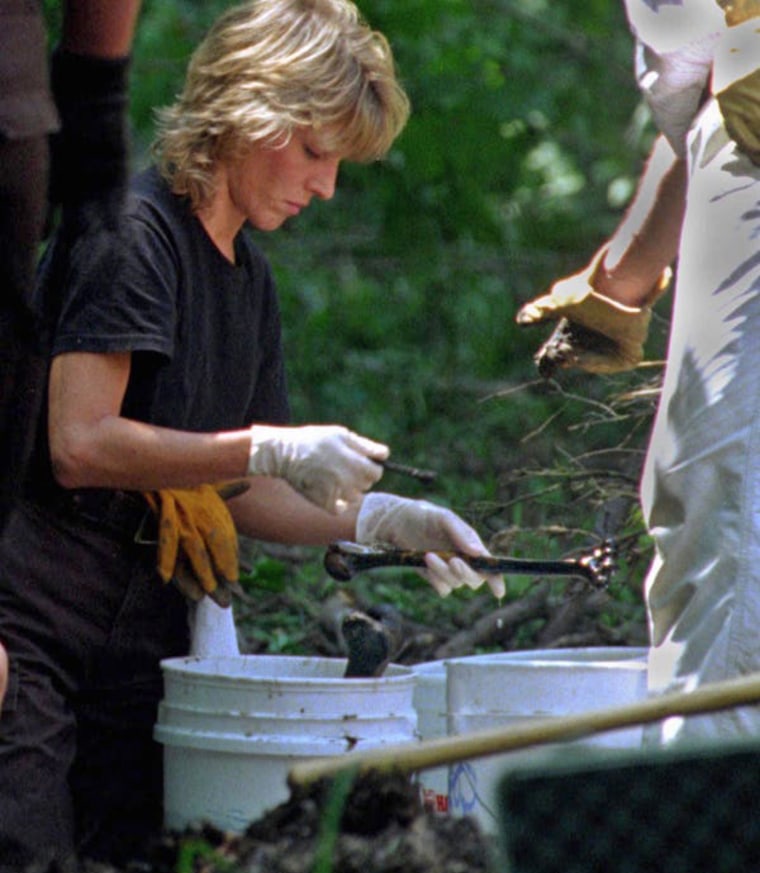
343,560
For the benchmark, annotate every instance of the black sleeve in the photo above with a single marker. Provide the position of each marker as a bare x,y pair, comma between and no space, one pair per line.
117,292
88,155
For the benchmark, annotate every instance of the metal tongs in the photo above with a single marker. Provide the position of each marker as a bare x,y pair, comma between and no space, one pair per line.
344,559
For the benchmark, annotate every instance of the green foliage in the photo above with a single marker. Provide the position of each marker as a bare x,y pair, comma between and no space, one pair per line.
195,851
167,34
266,574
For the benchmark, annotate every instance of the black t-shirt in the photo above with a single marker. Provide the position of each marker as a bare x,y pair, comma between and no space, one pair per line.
204,333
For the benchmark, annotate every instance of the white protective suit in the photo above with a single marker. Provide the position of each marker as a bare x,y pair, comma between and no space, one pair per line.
701,483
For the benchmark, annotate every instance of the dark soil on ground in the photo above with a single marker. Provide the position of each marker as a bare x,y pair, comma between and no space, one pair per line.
375,825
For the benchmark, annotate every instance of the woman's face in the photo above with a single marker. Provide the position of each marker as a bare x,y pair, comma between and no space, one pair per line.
269,185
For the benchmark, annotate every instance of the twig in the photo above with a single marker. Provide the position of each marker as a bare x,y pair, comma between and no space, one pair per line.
497,624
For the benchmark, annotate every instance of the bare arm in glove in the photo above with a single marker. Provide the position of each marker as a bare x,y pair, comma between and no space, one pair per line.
92,445
178,472
604,310
275,512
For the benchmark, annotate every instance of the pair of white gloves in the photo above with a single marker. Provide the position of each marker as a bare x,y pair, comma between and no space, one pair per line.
334,467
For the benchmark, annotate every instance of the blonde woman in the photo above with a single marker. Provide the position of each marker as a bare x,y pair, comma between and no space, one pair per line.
167,375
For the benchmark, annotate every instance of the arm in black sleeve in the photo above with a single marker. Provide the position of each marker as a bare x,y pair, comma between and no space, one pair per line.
89,155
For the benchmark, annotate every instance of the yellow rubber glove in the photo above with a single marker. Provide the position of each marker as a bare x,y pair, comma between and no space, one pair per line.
736,81
197,540
595,333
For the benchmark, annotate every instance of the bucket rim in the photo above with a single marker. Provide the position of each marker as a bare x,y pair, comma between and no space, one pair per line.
592,656
198,667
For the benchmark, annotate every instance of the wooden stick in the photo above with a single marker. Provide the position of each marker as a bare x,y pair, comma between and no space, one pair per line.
448,750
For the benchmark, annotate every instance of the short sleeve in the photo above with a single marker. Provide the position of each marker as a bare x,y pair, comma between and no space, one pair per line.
117,292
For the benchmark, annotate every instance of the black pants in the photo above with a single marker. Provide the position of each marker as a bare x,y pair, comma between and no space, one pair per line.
86,621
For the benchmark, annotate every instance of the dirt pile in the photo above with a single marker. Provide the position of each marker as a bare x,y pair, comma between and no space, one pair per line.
374,825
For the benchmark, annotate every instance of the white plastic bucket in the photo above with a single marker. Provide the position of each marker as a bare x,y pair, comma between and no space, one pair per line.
430,704
232,727
489,691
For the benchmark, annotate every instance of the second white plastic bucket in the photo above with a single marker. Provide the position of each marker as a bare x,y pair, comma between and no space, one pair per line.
232,728
489,691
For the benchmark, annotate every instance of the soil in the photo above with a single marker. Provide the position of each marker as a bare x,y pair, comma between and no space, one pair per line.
382,829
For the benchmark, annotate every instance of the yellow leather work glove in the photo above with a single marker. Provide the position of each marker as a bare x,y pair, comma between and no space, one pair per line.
197,540
736,81
737,11
595,333
740,107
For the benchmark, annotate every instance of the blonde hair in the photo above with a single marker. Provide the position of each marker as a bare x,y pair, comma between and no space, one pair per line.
269,67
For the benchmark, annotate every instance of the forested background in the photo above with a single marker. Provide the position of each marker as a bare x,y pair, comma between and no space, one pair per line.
399,295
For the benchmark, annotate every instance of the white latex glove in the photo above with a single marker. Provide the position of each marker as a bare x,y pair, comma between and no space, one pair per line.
329,464
385,519
212,629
